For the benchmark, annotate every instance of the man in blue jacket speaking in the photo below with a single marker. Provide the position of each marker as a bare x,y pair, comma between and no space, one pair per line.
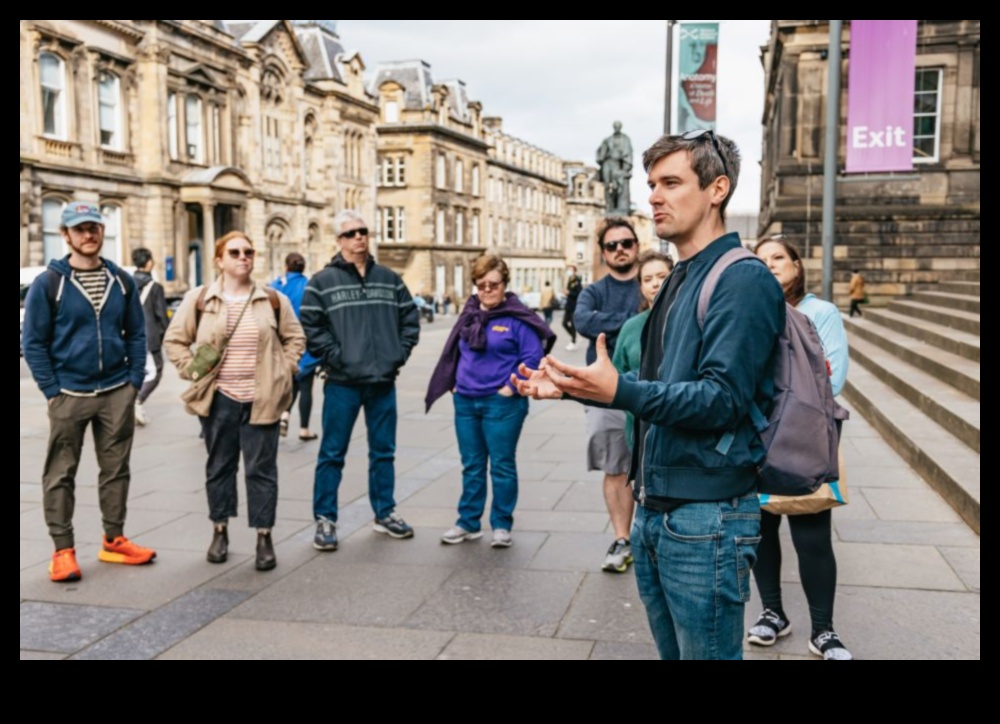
696,452
85,342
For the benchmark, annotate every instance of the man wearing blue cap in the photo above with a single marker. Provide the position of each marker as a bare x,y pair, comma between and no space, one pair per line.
85,342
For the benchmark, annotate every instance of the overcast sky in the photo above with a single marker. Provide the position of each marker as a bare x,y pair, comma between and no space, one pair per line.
560,84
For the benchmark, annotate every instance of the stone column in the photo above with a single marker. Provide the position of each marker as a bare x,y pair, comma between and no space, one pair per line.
208,241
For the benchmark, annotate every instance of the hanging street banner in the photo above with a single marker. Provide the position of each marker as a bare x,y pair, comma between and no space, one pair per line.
880,95
698,62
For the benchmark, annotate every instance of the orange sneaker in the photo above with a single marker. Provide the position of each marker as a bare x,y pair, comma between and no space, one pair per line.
122,550
63,568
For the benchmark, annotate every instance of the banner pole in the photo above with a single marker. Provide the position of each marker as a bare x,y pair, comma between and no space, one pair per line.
831,144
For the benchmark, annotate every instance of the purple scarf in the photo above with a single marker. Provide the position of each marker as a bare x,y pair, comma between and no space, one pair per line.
471,327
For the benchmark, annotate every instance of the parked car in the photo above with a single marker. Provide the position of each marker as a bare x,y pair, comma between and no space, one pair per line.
426,310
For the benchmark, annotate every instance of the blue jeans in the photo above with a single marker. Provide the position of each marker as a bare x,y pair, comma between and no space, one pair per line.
488,429
341,405
693,571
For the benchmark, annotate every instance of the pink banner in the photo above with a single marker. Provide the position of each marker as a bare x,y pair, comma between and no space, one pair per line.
880,91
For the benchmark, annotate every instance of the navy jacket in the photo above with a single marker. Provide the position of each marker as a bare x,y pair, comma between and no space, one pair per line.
706,383
361,329
84,350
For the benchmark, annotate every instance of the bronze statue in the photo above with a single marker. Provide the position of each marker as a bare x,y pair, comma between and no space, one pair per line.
615,160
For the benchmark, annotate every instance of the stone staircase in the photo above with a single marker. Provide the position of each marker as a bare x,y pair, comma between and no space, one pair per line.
915,377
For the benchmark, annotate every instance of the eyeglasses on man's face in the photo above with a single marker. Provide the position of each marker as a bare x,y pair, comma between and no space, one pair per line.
363,231
708,133
612,246
237,253
488,286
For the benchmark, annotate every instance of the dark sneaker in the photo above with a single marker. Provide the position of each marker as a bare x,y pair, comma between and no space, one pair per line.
619,557
829,647
769,628
394,527
326,536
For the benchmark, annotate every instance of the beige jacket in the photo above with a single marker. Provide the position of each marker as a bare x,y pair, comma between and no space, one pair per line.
280,345
857,288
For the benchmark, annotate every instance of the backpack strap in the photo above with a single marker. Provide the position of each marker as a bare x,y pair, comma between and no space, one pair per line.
721,264
272,297
146,291
733,256
199,307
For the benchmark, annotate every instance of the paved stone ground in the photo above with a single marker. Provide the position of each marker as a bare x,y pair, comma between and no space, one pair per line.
909,567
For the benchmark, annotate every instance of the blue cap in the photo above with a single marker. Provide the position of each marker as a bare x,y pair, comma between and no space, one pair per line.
81,212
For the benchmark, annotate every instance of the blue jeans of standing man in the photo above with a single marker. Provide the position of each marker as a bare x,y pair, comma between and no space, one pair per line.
341,405
693,570
488,429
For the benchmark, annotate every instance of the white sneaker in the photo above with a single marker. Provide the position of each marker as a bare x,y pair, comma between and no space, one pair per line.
571,347
456,535
140,416
502,539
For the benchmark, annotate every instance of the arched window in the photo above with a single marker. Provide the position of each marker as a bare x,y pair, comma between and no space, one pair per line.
459,177
109,113
53,82
112,248
459,228
53,246
475,180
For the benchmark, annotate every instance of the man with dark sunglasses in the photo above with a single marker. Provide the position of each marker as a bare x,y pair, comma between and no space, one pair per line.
603,308
361,324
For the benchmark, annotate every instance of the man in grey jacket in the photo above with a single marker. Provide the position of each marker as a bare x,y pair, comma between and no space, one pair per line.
362,325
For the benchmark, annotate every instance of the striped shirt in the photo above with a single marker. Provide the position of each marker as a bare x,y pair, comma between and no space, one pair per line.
94,282
238,374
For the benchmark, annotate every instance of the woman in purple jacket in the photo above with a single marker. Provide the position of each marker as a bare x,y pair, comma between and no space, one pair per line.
494,335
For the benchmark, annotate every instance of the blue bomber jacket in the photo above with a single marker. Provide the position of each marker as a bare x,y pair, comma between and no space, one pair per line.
361,329
700,444
71,346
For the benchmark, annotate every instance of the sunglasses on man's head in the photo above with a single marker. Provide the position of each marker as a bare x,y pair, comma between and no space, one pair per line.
237,253
354,232
709,134
625,244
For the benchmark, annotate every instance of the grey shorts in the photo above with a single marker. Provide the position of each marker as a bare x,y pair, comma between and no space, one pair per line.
607,450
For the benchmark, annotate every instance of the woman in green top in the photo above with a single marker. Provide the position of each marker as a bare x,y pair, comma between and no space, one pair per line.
654,268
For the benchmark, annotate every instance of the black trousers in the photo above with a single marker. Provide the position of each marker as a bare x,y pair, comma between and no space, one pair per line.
856,307
813,541
228,433
302,390
568,324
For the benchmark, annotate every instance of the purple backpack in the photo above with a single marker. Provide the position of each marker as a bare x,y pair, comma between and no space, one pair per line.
802,433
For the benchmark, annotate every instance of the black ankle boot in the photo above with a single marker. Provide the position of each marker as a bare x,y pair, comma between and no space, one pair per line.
265,553
218,552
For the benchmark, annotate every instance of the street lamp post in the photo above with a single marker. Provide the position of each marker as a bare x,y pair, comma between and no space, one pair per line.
670,73
830,155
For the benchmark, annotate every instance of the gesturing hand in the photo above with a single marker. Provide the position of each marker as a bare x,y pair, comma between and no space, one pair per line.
537,384
598,382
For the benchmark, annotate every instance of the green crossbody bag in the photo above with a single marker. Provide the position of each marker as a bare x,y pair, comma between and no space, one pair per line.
207,358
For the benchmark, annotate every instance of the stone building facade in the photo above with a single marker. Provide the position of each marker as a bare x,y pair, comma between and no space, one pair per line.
183,130
452,184
902,230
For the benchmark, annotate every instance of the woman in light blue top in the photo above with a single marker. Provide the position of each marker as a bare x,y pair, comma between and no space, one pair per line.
811,534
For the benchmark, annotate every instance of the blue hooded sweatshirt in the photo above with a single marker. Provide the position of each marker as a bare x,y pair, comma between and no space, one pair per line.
84,350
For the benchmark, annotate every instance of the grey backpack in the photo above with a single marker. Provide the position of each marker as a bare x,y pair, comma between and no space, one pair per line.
802,432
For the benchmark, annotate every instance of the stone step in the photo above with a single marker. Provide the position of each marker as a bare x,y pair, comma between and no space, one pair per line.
949,301
960,373
951,318
945,462
967,275
949,408
950,340
968,289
